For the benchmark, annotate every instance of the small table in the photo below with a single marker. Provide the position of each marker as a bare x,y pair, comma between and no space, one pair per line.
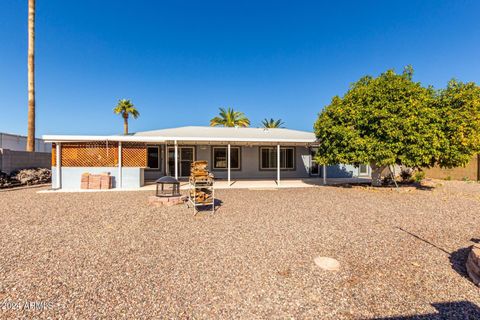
166,181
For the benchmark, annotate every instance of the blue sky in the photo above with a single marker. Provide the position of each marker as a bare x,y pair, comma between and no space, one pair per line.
179,61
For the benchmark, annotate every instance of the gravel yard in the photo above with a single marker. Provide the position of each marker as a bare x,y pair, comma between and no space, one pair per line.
109,254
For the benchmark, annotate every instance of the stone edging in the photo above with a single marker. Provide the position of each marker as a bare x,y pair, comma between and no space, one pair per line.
473,264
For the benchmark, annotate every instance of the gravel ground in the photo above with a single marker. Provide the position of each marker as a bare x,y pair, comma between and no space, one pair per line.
90,255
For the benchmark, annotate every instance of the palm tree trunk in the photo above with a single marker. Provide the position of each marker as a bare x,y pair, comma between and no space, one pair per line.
31,76
125,124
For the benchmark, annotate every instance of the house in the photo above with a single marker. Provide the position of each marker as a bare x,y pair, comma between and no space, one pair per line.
232,153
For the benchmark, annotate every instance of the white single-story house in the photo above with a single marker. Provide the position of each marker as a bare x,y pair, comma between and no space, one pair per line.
232,153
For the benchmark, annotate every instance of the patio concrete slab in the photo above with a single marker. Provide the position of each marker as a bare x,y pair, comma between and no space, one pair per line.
254,184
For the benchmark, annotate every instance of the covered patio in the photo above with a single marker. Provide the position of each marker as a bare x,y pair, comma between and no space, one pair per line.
261,184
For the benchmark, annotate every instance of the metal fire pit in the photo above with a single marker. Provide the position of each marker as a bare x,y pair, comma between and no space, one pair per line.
166,181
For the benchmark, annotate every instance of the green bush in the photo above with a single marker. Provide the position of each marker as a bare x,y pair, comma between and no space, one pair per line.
419,176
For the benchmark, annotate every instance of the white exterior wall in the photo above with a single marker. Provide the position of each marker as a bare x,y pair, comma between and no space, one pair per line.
132,177
19,143
250,164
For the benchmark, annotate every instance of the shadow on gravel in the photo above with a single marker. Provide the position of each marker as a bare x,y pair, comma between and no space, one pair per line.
445,310
458,258
208,208
401,186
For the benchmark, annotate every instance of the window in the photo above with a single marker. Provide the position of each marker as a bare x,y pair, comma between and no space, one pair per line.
220,158
268,158
363,170
153,157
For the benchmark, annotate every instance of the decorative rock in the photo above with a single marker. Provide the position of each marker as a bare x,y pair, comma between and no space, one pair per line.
473,264
327,263
165,201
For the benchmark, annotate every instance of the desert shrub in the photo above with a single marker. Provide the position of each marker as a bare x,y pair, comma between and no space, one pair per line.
419,176
32,176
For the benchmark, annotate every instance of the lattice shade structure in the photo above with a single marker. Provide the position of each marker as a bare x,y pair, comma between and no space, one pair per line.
90,154
134,154
100,154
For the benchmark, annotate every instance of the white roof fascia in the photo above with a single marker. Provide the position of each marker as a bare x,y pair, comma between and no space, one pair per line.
78,138
230,139
74,138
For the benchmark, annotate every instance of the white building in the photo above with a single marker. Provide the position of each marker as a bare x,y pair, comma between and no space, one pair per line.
16,142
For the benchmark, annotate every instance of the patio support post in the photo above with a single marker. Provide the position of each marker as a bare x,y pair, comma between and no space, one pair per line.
278,165
176,160
324,174
119,165
166,159
228,163
59,165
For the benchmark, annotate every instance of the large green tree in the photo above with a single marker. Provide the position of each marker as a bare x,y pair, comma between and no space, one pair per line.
392,120
230,118
459,109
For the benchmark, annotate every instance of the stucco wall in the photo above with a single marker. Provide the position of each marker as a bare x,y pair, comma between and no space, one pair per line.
470,171
341,171
250,165
12,160
19,143
132,178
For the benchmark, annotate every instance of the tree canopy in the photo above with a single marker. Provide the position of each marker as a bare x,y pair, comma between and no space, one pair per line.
230,118
459,108
393,120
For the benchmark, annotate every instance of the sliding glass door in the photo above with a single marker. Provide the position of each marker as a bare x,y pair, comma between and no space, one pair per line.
186,155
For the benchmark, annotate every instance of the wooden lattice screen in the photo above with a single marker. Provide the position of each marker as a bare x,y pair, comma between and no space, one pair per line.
134,154
90,154
101,154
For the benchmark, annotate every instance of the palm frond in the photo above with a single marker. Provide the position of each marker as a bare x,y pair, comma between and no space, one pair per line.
230,118
271,123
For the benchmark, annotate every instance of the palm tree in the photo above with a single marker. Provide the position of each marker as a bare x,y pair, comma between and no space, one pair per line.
272,123
31,77
230,118
125,108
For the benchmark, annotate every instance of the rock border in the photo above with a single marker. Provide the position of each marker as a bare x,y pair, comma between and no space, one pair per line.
473,264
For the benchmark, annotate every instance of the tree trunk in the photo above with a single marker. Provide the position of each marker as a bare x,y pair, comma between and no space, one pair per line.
31,76
377,175
125,124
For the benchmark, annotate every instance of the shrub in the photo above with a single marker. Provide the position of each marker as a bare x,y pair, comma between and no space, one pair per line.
419,176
